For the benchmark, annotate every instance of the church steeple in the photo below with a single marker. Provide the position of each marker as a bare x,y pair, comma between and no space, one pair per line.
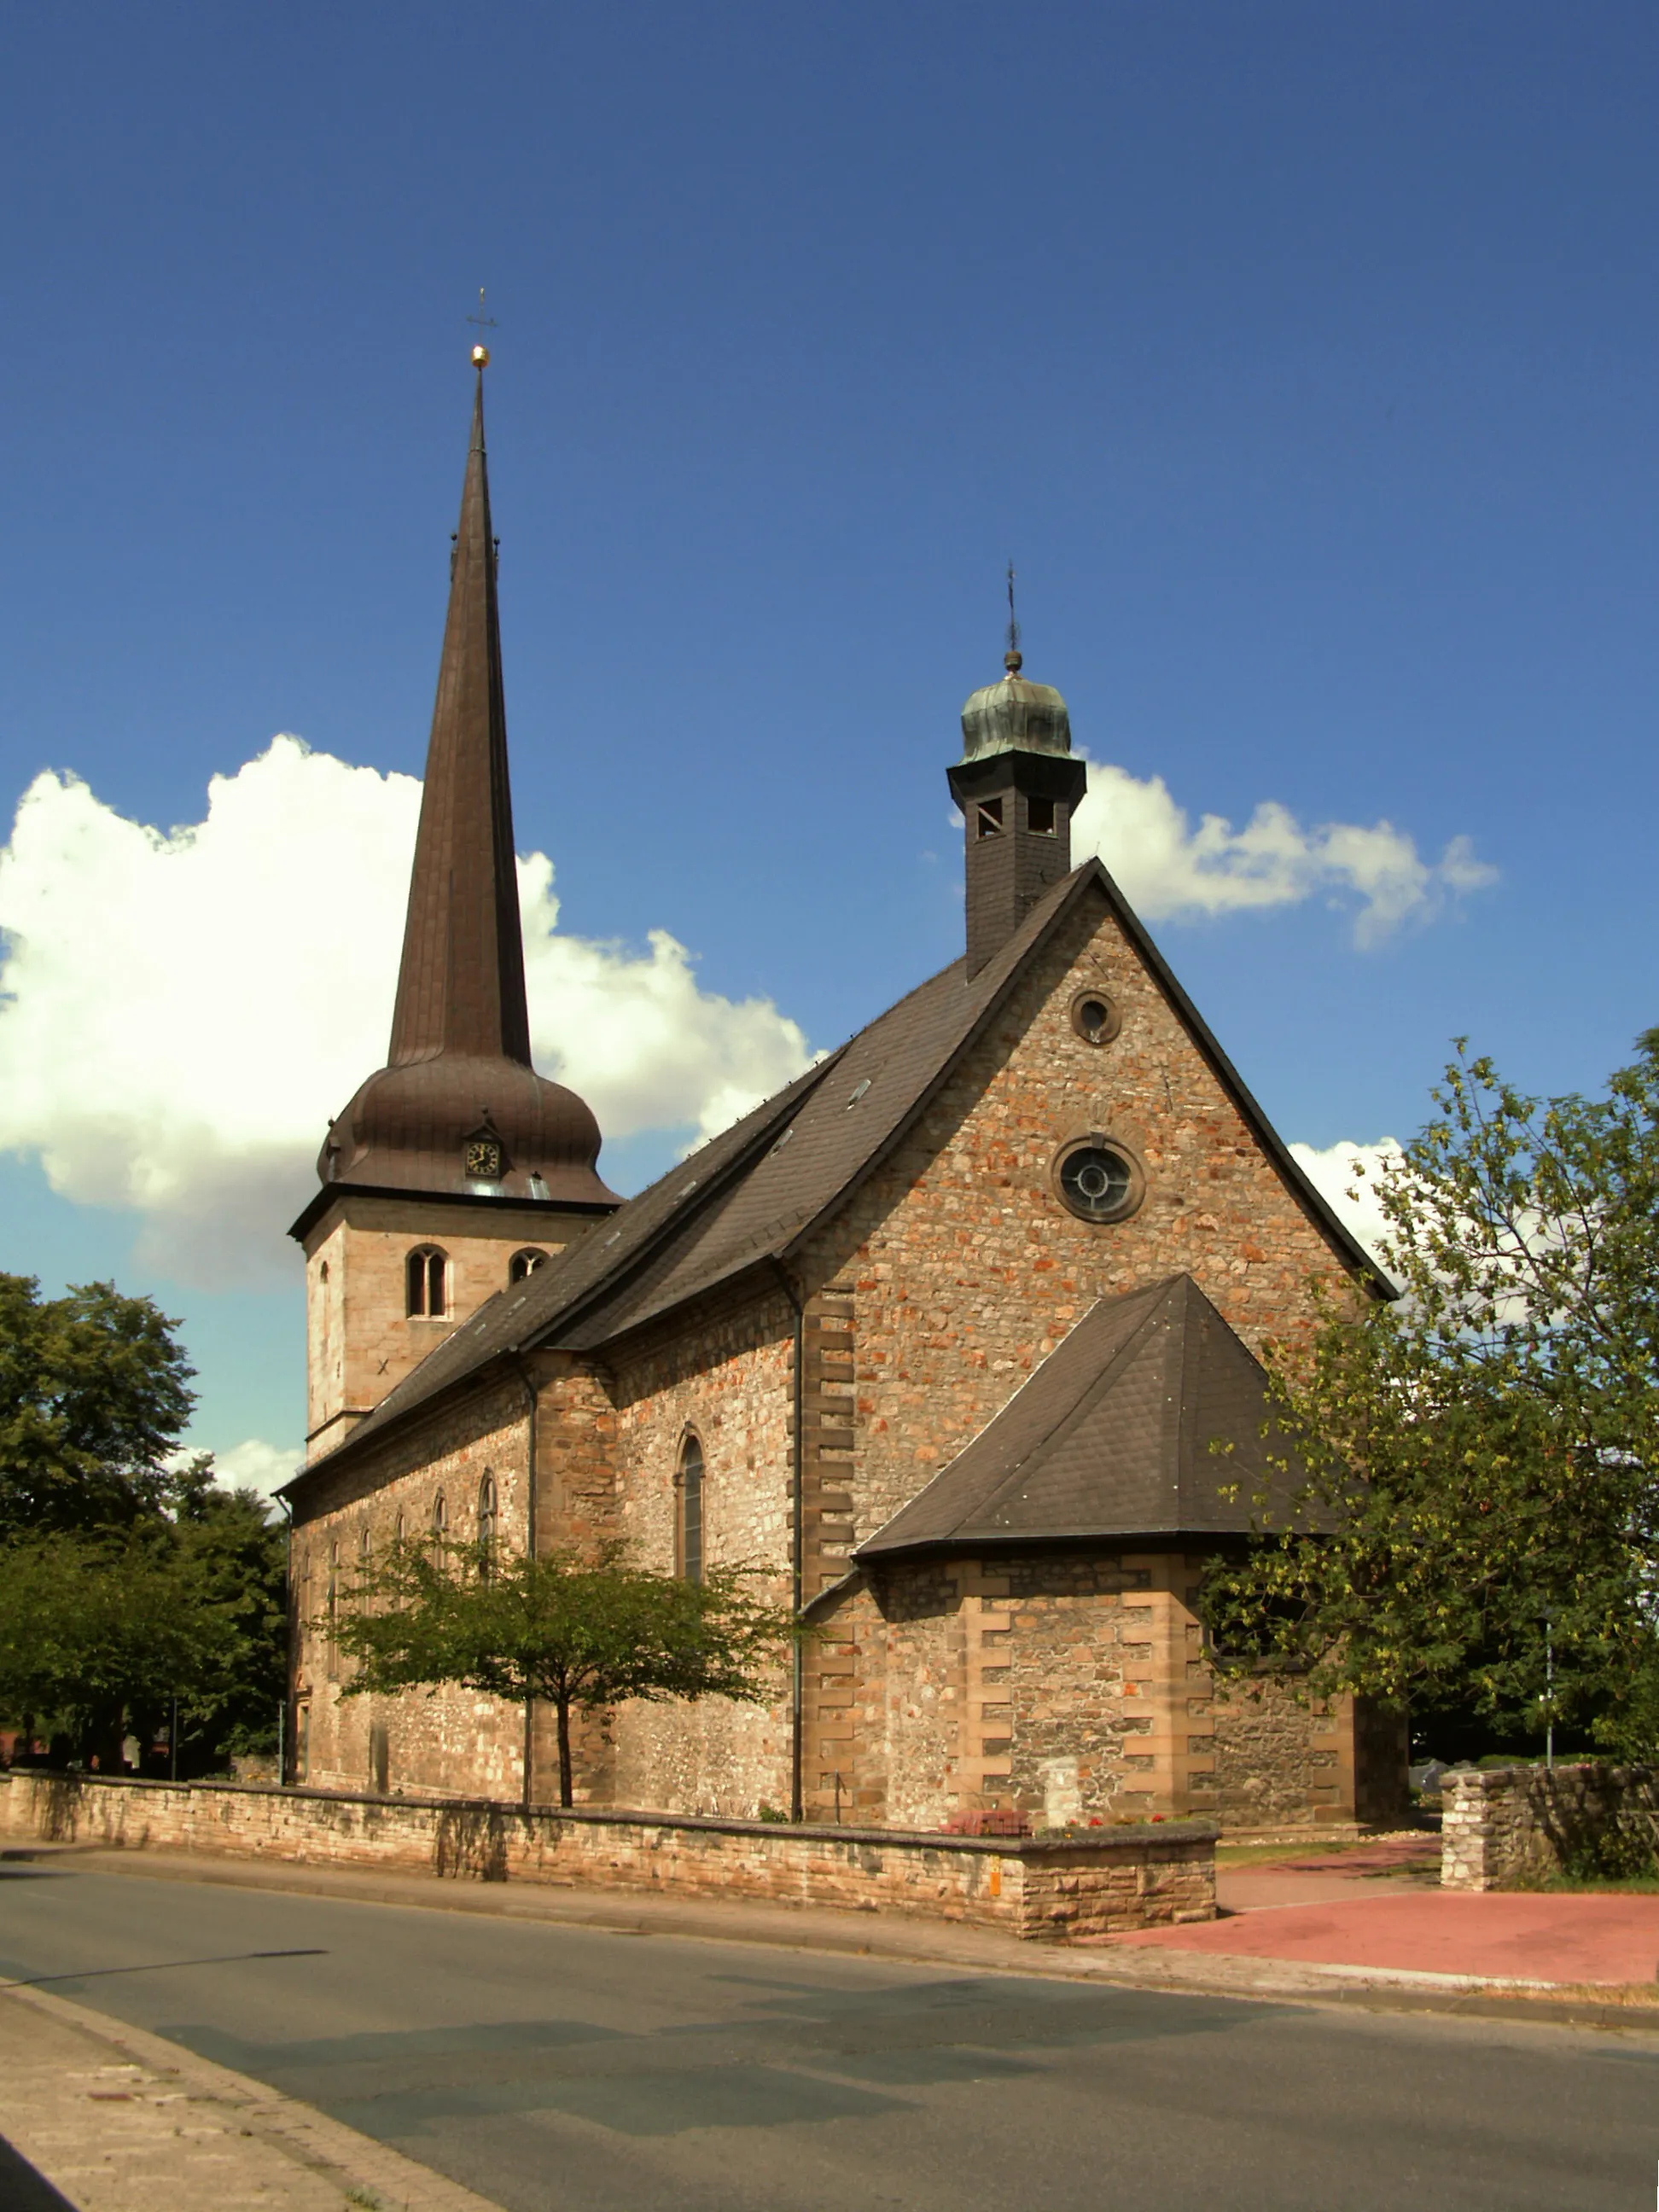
460,987
456,1170
459,1111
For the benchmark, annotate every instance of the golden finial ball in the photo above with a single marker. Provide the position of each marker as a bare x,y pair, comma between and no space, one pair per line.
481,356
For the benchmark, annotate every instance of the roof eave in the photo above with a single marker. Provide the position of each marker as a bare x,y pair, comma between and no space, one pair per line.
318,1203
970,1543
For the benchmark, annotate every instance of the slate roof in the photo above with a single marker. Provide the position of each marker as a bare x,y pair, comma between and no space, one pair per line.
1110,1437
754,1194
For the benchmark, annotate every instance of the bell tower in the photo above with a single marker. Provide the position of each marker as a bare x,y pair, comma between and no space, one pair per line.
455,1169
1018,784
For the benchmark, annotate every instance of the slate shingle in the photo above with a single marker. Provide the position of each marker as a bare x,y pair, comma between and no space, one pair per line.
1111,1437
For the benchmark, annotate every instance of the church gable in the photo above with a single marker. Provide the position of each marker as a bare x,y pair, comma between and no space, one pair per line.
968,1259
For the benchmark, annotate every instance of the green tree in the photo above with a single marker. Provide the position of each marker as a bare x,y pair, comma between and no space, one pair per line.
1475,1519
99,1634
102,1633
581,1632
127,1578
94,1397
233,1557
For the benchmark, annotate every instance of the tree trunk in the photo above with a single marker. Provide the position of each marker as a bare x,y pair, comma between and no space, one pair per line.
567,1793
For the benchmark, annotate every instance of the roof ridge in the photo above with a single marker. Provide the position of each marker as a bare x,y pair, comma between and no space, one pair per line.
1031,934
676,1217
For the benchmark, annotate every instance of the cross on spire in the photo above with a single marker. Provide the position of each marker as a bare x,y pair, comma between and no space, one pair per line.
483,322
1011,658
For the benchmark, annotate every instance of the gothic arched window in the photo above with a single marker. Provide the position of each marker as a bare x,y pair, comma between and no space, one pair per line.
333,1608
688,1512
426,1284
524,1263
439,1523
487,1522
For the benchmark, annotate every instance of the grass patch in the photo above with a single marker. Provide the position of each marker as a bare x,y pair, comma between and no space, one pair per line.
1595,1885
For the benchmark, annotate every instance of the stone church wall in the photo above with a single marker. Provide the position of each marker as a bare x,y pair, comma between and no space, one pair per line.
453,1741
956,1270
1069,1684
965,1269
729,1380
1059,1681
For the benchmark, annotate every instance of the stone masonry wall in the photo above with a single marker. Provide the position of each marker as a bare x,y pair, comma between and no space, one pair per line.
360,1341
452,1741
1071,1686
1511,1827
727,1379
1280,1762
1126,1879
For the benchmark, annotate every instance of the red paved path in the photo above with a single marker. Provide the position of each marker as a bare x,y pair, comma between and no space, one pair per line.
1375,1908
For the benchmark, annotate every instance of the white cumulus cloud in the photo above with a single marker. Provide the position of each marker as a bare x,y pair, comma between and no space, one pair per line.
255,1465
1168,869
181,1011
1347,1177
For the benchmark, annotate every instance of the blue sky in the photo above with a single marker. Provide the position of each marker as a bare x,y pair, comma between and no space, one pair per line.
1303,359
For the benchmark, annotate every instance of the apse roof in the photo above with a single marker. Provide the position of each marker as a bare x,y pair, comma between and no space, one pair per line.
1112,1436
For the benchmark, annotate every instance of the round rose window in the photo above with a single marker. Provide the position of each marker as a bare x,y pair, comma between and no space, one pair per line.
1098,1181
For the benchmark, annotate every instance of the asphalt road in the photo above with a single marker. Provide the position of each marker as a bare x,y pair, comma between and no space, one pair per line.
566,2069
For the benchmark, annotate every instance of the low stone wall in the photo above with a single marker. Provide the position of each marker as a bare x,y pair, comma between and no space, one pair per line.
1509,1827
1101,1885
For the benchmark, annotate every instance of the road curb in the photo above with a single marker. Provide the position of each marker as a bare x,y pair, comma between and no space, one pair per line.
246,2116
1632,2008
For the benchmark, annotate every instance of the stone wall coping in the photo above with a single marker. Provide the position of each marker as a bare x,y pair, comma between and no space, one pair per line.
1487,1777
1130,1837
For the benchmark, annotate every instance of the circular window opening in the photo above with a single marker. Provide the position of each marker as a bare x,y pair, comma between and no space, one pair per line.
1098,1180
1095,1016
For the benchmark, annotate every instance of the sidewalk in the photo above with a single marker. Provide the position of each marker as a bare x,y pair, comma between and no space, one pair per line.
103,2118
1378,1909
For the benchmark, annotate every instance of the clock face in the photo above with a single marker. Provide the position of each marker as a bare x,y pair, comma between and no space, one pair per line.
483,1161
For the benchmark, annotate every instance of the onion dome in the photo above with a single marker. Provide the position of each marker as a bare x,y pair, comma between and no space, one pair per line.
1015,716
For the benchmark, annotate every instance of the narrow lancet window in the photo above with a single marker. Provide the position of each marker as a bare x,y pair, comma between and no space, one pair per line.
487,1524
687,1512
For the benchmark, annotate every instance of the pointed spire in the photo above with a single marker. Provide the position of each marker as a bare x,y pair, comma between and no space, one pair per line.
461,988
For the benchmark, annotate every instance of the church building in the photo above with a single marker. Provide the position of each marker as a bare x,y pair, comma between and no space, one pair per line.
946,1337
